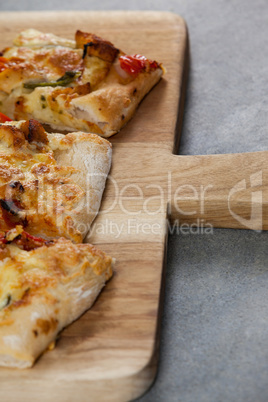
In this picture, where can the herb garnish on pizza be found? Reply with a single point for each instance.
(84, 84)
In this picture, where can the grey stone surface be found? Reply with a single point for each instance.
(214, 338)
(214, 344)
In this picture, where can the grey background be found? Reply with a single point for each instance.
(214, 337)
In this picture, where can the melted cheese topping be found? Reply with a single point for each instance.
(39, 56)
(34, 191)
(36, 57)
(49, 272)
(96, 93)
(34, 38)
(25, 64)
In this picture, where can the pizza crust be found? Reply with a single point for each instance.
(92, 156)
(84, 157)
(28, 326)
(112, 105)
(101, 100)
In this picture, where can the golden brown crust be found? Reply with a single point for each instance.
(114, 104)
(101, 99)
(96, 46)
(50, 183)
(92, 156)
(51, 286)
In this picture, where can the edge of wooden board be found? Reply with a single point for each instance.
(136, 383)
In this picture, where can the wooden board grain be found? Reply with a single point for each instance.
(110, 353)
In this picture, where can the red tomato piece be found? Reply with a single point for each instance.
(136, 63)
(34, 238)
(4, 118)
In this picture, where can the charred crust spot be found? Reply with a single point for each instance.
(12, 213)
(123, 117)
(34, 131)
(85, 49)
(35, 332)
(134, 91)
(16, 185)
(96, 46)
(9, 206)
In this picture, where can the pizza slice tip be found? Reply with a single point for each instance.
(44, 286)
(82, 85)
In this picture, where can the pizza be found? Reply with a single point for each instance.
(52, 178)
(50, 191)
(85, 84)
(44, 286)
(51, 184)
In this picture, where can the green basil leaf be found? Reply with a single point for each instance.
(66, 79)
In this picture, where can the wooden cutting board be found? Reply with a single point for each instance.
(110, 353)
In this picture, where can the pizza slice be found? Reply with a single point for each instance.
(44, 286)
(51, 184)
(86, 84)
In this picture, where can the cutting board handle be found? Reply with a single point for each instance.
(227, 191)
